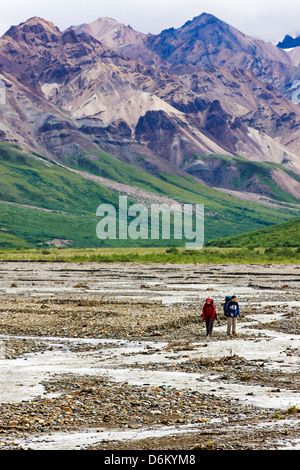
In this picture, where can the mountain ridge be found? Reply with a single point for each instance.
(95, 54)
(289, 42)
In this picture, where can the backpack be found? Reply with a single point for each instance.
(227, 299)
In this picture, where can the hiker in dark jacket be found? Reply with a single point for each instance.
(232, 312)
(209, 316)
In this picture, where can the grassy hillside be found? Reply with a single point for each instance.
(286, 234)
(41, 201)
(224, 214)
(185, 189)
(36, 181)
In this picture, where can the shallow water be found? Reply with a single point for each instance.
(23, 380)
(81, 439)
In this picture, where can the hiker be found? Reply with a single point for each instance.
(232, 312)
(209, 315)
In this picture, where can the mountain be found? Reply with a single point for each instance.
(122, 38)
(201, 109)
(291, 88)
(207, 57)
(289, 42)
(203, 43)
(67, 92)
(101, 97)
(206, 41)
(247, 179)
(111, 33)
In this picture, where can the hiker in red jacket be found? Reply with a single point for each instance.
(209, 315)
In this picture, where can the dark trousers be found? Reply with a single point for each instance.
(209, 326)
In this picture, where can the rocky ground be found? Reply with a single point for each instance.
(73, 330)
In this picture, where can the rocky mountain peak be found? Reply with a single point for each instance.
(206, 41)
(36, 51)
(110, 32)
(204, 19)
(36, 23)
(33, 29)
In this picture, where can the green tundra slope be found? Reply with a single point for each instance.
(41, 201)
(280, 235)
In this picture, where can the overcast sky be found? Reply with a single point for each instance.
(264, 19)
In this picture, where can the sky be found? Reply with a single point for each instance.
(269, 20)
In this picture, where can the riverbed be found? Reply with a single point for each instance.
(115, 356)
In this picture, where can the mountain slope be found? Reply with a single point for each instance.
(280, 235)
(113, 90)
(121, 38)
(96, 88)
(66, 78)
(239, 174)
(42, 202)
(29, 179)
(207, 41)
(242, 74)
(289, 42)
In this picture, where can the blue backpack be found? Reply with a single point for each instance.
(227, 299)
